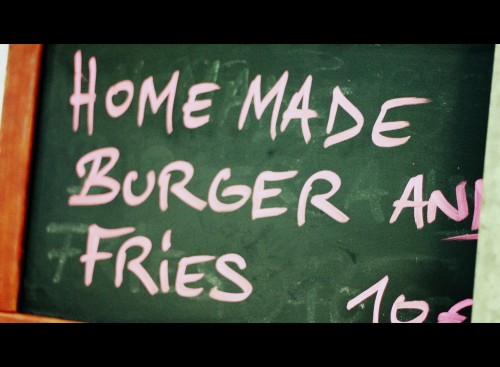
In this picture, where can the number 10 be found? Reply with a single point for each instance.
(400, 303)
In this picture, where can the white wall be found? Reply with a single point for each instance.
(4, 50)
(487, 281)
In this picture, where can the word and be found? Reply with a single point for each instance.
(437, 200)
(183, 278)
(98, 177)
(254, 96)
(452, 316)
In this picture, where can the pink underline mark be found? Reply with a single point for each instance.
(464, 237)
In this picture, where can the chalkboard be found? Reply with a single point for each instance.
(257, 183)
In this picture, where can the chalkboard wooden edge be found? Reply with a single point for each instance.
(15, 317)
(16, 139)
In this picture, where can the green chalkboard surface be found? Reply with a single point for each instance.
(257, 183)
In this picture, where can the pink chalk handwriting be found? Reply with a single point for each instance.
(401, 304)
(436, 201)
(452, 316)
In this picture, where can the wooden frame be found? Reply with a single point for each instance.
(16, 140)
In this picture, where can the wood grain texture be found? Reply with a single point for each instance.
(16, 137)
(6, 317)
